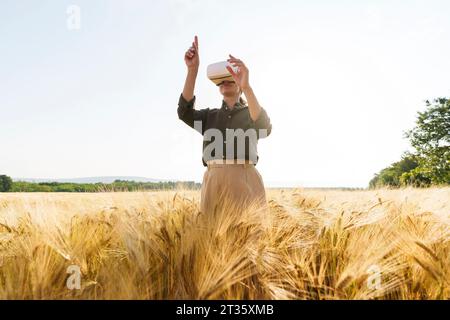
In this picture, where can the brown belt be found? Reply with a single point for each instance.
(222, 162)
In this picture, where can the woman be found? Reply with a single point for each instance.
(231, 177)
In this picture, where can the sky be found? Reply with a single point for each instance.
(340, 80)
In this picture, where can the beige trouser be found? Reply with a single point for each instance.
(239, 185)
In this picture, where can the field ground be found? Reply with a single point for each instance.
(313, 244)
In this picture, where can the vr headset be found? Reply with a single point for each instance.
(217, 72)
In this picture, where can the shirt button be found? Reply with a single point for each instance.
(229, 117)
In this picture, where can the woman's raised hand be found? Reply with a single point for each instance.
(241, 77)
(191, 57)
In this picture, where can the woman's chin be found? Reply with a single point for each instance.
(228, 93)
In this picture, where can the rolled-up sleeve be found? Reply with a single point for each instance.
(263, 122)
(189, 115)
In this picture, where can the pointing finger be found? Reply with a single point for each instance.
(231, 71)
(196, 42)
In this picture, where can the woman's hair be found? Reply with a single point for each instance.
(241, 100)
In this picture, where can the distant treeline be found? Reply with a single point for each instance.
(7, 185)
(429, 164)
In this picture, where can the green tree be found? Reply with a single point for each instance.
(5, 183)
(392, 175)
(415, 178)
(431, 140)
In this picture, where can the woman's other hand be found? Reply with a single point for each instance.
(241, 76)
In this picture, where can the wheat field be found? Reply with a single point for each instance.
(311, 244)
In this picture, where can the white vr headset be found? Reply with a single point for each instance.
(217, 72)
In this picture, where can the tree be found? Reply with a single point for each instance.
(430, 164)
(415, 178)
(392, 175)
(431, 140)
(5, 183)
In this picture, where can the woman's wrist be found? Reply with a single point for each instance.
(192, 74)
(193, 69)
(246, 89)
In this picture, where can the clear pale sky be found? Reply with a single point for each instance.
(340, 80)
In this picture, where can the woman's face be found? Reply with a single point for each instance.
(228, 88)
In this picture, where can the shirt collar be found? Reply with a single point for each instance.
(237, 105)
